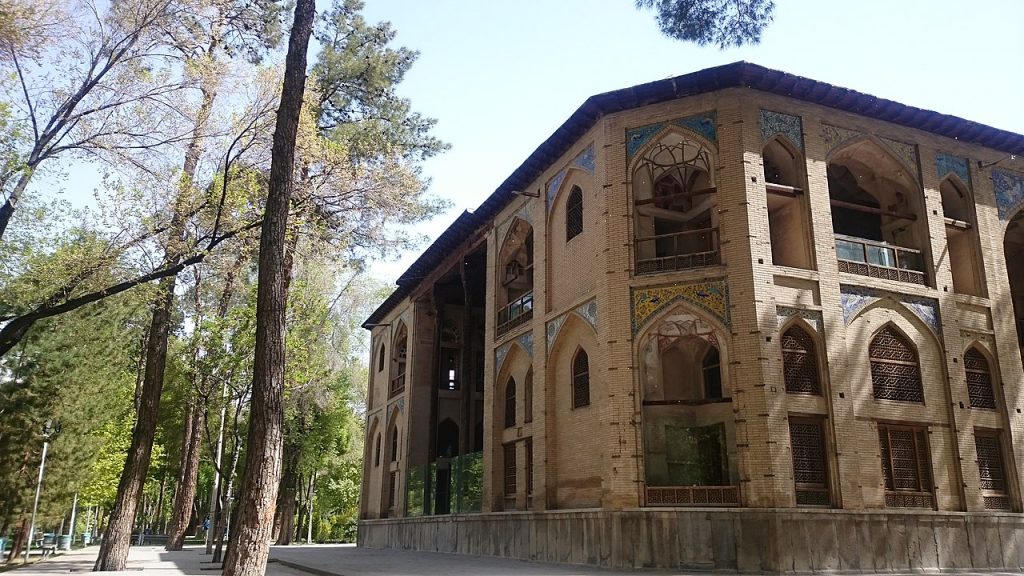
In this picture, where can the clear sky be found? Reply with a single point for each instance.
(500, 77)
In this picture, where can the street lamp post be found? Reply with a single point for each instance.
(39, 486)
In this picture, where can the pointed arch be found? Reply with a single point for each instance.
(399, 360)
(672, 182)
(801, 362)
(789, 225)
(580, 378)
(979, 375)
(878, 213)
(447, 439)
(895, 366)
(515, 276)
(574, 213)
(962, 242)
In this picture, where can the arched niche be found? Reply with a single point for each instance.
(962, 243)
(675, 205)
(788, 214)
(1013, 248)
(688, 424)
(878, 214)
(399, 360)
(514, 296)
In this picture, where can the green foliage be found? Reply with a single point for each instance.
(722, 22)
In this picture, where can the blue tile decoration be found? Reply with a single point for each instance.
(637, 137)
(711, 296)
(500, 354)
(586, 160)
(856, 298)
(772, 123)
(588, 312)
(701, 124)
(526, 341)
(907, 153)
(834, 136)
(812, 317)
(1009, 189)
(553, 328)
(401, 403)
(946, 163)
(553, 185)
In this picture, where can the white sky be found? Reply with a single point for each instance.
(500, 77)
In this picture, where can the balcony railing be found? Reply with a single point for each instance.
(677, 251)
(879, 260)
(397, 385)
(516, 313)
(693, 496)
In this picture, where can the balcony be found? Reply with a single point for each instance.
(677, 251)
(879, 260)
(397, 385)
(516, 313)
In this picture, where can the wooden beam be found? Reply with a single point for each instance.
(782, 190)
(870, 210)
(668, 197)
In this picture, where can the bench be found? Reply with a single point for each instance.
(46, 546)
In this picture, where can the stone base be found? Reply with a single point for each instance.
(743, 540)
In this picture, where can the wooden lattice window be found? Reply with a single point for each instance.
(800, 362)
(376, 451)
(991, 470)
(906, 470)
(580, 379)
(392, 488)
(380, 359)
(810, 471)
(510, 403)
(528, 398)
(895, 372)
(574, 214)
(510, 469)
(394, 444)
(979, 380)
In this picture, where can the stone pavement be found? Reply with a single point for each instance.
(323, 560)
(153, 560)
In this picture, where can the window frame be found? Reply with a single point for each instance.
(574, 213)
(510, 403)
(809, 355)
(882, 392)
(580, 379)
(895, 497)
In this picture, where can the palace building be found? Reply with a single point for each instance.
(731, 320)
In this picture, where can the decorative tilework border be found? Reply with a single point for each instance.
(585, 160)
(710, 296)
(907, 153)
(856, 298)
(1009, 189)
(812, 317)
(700, 124)
(587, 311)
(946, 163)
(772, 123)
(525, 340)
(834, 136)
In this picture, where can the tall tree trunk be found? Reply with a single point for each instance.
(248, 555)
(158, 527)
(113, 553)
(286, 501)
(19, 540)
(186, 494)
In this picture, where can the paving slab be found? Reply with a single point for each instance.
(191, 561)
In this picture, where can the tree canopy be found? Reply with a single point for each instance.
(723, 23)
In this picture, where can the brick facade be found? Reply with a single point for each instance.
(688, 401)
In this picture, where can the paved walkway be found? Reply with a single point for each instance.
(347, 560)
(152, 560)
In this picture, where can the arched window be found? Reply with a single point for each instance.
(895, 372)
(574, 214)
(528, 398)
(515, 274)
(712, 368)
(510, 403)
(394, 444)
(799, 362)
(448, 439)
(979, 380)
(380, 358)
(376, 451)
(580, 379)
